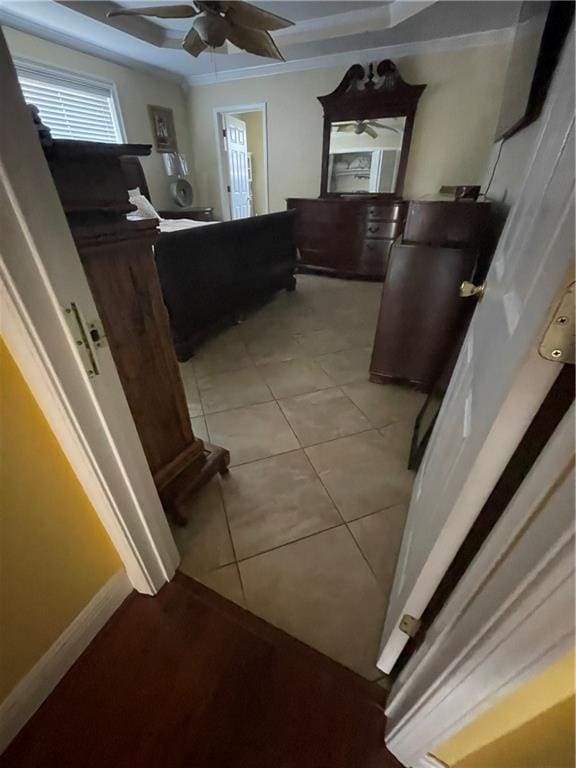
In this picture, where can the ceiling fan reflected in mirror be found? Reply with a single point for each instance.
(243, 24)
(363, 126)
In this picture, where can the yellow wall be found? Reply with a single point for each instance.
(453, 132)
(136, 90)
(54, 553)
(533, 727)
(546, 741)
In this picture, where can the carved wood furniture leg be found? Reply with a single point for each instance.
(216, 461)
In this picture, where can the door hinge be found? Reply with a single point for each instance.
(557, 344)
(228, 188)
(409, 625)
(89, 337)
(224, 132)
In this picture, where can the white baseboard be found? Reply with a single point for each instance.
(21, 703)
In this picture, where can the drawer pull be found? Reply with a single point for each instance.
(373, 229)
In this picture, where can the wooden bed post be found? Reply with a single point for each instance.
(117, 255)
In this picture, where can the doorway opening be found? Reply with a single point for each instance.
(242, 147)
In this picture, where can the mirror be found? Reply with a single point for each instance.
(364, 155)
(368, 123)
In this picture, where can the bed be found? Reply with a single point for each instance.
(213, 273)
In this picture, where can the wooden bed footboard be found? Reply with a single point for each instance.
(212, 275)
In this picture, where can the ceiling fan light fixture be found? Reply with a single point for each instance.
(244, 25)
(212, 29)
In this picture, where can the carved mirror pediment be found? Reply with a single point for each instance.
(368, 123)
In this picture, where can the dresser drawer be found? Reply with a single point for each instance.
(374, 257)
(379, 229)
(347, 236)
(386, 212)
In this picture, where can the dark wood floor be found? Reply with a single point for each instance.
(189, 679)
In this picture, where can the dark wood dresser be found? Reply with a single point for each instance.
(347, 237)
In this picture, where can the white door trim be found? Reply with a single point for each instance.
(510, 616)
(117, 481)
(220, 151)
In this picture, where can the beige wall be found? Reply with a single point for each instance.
(255, 132)
(136, 90)
(452, 139)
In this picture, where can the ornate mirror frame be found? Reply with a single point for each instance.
(359, 97)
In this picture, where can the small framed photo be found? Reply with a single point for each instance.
(162, 120)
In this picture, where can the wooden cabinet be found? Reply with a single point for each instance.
(117, 256)
(420, 313)
(422, 316)
(347, 237)
(454, 224)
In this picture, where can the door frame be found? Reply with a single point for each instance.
(120, 488)
(218, 113)
(510, 616)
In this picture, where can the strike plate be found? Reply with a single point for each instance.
(409, 625)
(558, 341)
(88, 337)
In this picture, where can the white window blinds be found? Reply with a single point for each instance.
(71, 106)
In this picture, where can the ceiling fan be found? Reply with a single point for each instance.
(244, 25)
(365, 126)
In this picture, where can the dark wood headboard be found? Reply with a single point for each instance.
(134, 175)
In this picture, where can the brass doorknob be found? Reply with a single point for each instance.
(468, 289)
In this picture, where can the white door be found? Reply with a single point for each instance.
(238, 172)
(500, 380)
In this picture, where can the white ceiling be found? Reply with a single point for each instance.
(322, 31)
(295, 10)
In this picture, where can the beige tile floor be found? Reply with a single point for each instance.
(305, 529)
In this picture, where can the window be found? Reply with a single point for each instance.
(73, 107)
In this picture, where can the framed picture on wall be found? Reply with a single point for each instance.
(163, 131)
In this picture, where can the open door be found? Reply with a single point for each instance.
(500, 380)
(238, 173)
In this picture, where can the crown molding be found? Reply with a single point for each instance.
(51, 35)
(347, 58)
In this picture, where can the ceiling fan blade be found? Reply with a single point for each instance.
(248, 15)
(193, 43)
(370, 131)
(384, 127)
(161, 11)
(254, 41)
